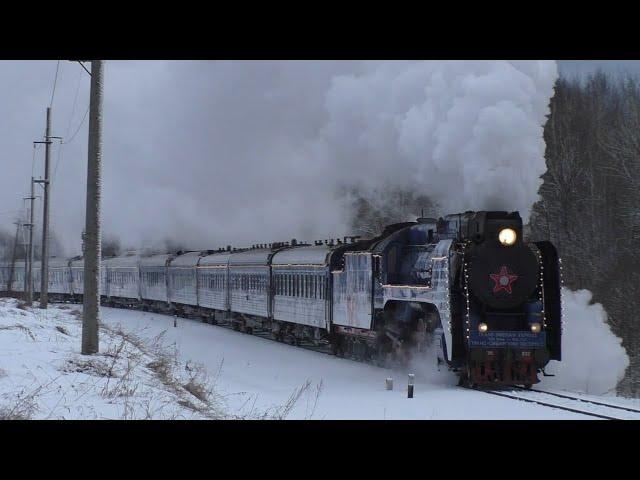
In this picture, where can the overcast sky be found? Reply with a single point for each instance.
(189, 147)
(584, 67)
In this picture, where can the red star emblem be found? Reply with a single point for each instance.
(503, 280)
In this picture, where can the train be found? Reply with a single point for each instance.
(468, 284)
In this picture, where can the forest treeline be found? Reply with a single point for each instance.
(590, 200)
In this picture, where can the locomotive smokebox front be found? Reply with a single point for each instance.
(502, 269)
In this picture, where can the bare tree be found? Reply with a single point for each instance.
(590, 197)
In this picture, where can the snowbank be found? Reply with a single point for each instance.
(257, 374)
(593, 359)
(43, 376)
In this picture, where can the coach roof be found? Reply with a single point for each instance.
(221, 258)
(125, 262)
(189, 259)
(258, 256)
(312, 255)
(158, 260)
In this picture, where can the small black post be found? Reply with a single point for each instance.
(410, 386)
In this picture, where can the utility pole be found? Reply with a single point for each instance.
(26, 260)
(28, 271)
(44, 278)
(92, 236)
(13, 258)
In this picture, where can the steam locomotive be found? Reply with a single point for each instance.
(468, 283)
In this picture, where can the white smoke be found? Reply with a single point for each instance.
(468, 134)
(593, 359)
(212, 153)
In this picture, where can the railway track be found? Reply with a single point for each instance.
(583, 400)
(576, 406)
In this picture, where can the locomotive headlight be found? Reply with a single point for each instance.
(535, 327)
(507, 236)
(483, 327)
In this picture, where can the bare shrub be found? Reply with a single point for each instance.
(7, 413)
(94, 366)
(281, 412)
(62, 330)
(25, 405)
(23, 306)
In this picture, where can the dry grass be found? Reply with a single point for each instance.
(194, 392)
(117, 377)
(25, 404)
(19, 327)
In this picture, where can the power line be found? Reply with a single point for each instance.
(75, 101)
(33, 161)
(85, 68)
(73, 109)
(55, 81)
(79, 126)
(55, 169)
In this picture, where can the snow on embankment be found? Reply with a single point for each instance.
(43, 375)
(593, 359)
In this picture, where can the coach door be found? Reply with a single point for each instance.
(353, 300)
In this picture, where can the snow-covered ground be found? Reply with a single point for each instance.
(43, 376)
(249, 377)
